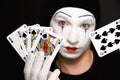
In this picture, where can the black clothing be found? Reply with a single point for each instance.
(102, 69)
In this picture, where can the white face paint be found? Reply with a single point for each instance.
(74, 24)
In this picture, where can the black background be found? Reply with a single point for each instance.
(16, 13)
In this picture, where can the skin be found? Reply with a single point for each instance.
(75, 56)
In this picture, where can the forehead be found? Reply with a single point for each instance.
(73, 12)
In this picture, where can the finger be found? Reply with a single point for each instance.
(55, 75)
(37, 64)
(28, 65)
(45, 69)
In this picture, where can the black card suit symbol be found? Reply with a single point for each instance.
(44, 35)
(10, 40)
(105, 33)
(117, 41)
(98, 36)
(33, 32)
(104, 40)
(118, 27)
(24, 35)
(103, 47)
(117, 34)
(112, 30)
(110, 44)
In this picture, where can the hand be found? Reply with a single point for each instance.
(36, 68)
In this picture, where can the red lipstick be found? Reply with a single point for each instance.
(71, 49)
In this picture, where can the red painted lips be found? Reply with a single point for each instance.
(71, 49)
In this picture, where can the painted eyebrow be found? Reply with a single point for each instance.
(63, 13)
(85, 16)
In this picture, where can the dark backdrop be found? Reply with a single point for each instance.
(16, 13)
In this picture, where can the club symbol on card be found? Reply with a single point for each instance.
(117, 34)
(103, 47)
(98, 36)
(104, 40)
(105, 33)
(110, 44)
(117, 41)
(111, 30)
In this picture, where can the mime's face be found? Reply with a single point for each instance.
(74, 24)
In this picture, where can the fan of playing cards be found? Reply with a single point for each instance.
(107, 38)
(34, 38)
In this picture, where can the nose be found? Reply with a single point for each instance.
(72, 37)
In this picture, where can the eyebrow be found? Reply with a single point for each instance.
(63, 13)
(71, 16)
(85, 16)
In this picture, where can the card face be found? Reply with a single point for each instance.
(46, 28)
(34, 31)
(107, 38)
(48, 42)
(14, 41)
(23, 37)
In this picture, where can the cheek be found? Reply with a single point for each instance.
(56, 29)
(66, 32)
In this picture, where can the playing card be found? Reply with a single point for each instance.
(34, 31)
(23, 37)
(107, 38)
(48, 42)
(14, 41)
(46, 28)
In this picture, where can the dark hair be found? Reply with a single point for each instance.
(44, 9)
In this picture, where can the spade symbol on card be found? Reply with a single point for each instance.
(44, 35)
(24, 35)
(98, 36)
(110, 44)
(33, 32)
(103, 48)
(104, 40)
(104, 33)
(118, 27)
(117, 34)
(117, 41)
(112, 30)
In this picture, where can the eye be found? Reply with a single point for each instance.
(85, 26)
(61, 23)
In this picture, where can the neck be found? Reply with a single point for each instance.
(76, 66)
